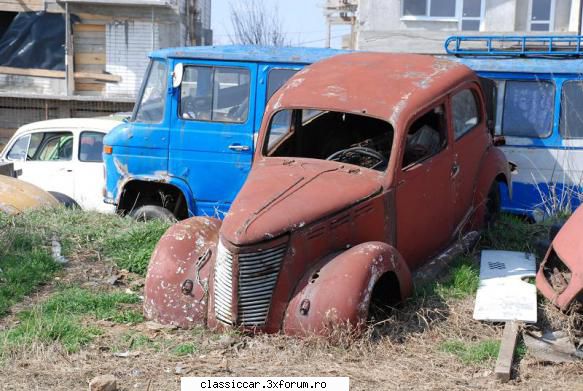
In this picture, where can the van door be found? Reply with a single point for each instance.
(211, 141)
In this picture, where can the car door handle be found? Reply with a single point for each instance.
(455, 170)
(66, 170)
(238, 147)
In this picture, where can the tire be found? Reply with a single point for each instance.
(65, 200)
(493, 206)
(152, 212)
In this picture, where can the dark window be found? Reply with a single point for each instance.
(442, 8)
(572, 110)
(91, 147)
(55, 146)
(465, 112)
(277, 78)
(19, 149)
(426, 137)
(215, 94)
(528, 109)
(415, 7)
(153, 95)
(541, 10)
(472, 8)
(470, 25)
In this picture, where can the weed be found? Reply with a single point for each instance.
(513, 233)
(463, 280)
(185, 349)
(472, 353)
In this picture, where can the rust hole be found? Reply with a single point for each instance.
(315, 277)
(557, 273)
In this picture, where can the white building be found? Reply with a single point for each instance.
(423, 25)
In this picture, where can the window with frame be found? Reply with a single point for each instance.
(426, 137)
(429, 8)
(541, 15)
(215, 94)
(19, 149)
(571, 125)
(91, 146)
(54, 146)
(465, 112)
(277, 78)
(153, 95)
(528, 108)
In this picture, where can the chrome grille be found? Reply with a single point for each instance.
(258, 272)
(223, 284)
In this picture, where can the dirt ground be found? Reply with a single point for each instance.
(403, 352)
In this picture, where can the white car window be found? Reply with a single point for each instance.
(54, 146)
(18, 150)
(91, 147)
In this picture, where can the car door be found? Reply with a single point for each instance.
(424, 185)
(211, 142)
(88, 171)
(47, 162)
(471, 137)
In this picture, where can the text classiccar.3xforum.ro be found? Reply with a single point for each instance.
(268, 384)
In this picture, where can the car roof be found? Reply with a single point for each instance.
(104, 125)
(384, 85)
(299, 55)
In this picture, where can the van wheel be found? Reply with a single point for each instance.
(493, 206)
(153, 212)
(65, 200)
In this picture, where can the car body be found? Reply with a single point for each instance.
(63, 157)
(367, 165)
(537, 99)
(188, 146)
(17, 196)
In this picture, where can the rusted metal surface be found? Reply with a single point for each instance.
(176, 288)
(17, 196)
(560, 277)
(309, 242)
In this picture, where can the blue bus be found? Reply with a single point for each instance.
(536, 96)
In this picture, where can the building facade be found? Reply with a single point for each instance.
(422, 25)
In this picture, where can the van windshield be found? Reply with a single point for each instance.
(330, 135)
(150, 106)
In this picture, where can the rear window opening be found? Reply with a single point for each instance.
(556, 273)
(330, 135)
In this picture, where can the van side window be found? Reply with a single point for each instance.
(572, 110)
(426, 137)
(215, 94)
(528, 109)
(465, 112)
(277, 78)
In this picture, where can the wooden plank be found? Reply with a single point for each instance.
(89, 87)
(90, 58)
(506, 354)
(96, 76)
(32, 72)
(83, 28)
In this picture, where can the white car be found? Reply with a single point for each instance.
(64, 157)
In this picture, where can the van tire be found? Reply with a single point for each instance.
(152, 212)
(493, 206)
(65, 200)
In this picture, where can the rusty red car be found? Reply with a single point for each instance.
(366, 166)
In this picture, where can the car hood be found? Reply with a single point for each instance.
(281, 195)
(17, 196)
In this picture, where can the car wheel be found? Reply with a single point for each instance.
(65, 200)
(493, 206)
(152, 212)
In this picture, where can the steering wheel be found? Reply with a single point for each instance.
(197, 107)
(348, 155)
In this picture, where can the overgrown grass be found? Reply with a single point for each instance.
(472, 353)
(513, 233)
(463, 280)
(61, 319)
(185, 349)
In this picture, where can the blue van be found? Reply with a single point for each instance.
(188, 146)
(537, 105)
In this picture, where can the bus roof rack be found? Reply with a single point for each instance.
(515, 46)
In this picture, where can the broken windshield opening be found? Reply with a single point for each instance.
(330, 135)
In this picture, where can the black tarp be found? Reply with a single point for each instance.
(34, 40)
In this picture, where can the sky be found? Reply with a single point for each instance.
(303, 20)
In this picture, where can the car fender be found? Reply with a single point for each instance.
(338, 289)
(176, 287)
(179, 183)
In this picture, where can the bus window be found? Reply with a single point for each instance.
(571, 110)
(528, 109)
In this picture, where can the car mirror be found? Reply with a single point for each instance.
(177, 75)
